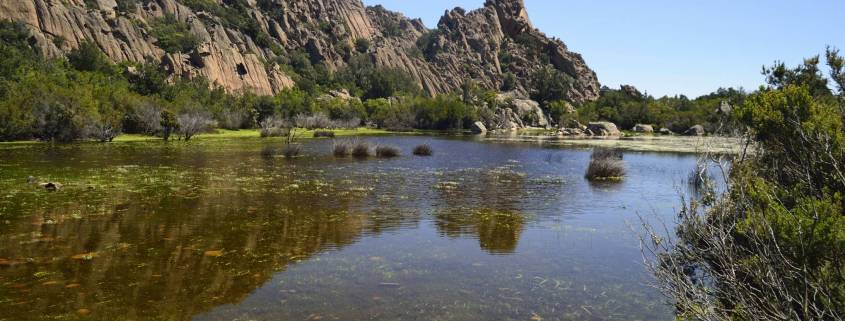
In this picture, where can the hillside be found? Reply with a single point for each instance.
(251, 44)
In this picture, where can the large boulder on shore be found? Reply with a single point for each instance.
(478, 128)
(603, 128)
(696, 130)
(529, 111)
(505, 119)
(642, 128)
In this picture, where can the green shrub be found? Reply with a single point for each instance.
(773, 245)
(174, 35)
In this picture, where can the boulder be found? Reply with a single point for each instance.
(642, 128)
(696, 130)
(51, 186)
(571, 132)
(603, 128)
(666, 131)
(528, 111)
(478, 128)
(506, 119)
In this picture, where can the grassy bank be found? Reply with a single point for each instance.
(244, 133)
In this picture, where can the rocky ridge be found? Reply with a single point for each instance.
(487, 45)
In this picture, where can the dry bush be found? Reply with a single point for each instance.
(342, 149)
(361, 149)
(387, 151)
(323, 134)
(315, 121)
(423, 150)
(191, 124)
(275, 127)
(605, 164)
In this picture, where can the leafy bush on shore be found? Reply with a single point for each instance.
(772, 246)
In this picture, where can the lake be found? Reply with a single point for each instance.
(227, 230)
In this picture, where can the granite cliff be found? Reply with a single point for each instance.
(496, 45)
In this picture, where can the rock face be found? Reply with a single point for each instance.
(489, 45)
(527, 111)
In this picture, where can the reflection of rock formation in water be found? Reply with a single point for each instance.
(192, 230)
(484, 202)
(498, 232)
(158, 256)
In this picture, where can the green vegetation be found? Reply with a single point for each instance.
(174, 35)
(772, 246)
(87, 97)
(676, 113)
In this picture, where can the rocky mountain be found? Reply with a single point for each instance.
(243, 44)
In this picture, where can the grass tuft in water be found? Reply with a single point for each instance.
(387, 151)
(342, 149)
(605, 165)
(423, 150)
(361, 149)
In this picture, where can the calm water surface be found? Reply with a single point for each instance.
(225, 230)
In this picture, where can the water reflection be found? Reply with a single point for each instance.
(151, 232)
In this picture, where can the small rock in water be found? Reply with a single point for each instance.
(389, 285)
(51, 186)
(32, 180)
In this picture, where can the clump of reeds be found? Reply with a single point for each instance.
(342, 149)
(604, 153)
(324, 134)
(291, 150)
(387, 151)
(361, 149)
(275, 127)
(605, 165)
(423, 150)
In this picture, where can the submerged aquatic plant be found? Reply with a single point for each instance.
(291, 150)
(423, 150)
(387, 151)
(605, 165)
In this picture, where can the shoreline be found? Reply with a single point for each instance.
(636, 143)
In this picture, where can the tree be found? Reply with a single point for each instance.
(169, 124)
(550, 84)
(807, 74)
(89, 57)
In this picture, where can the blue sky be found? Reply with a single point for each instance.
(668, 47)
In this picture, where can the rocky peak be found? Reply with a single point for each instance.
(512, 15)
(487, 45)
